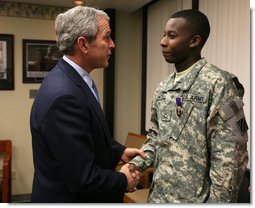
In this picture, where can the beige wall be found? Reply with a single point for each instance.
(228, 45)
(15, 105)
(128, 74)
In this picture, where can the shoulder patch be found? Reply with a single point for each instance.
(231, 108)
(232, 113)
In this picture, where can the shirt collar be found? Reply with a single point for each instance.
(82, 72)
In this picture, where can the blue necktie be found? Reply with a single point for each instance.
(95, 91)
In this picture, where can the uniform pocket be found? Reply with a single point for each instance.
(171, 125)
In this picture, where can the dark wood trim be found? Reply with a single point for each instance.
(109, 76)
(195, 4)
(144, 68)
(21, 198)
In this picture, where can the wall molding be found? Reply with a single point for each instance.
(32, 11)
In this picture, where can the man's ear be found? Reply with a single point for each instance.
(82, 43)
(195, 41)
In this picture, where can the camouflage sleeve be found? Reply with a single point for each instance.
(227, 142)
(149, 145)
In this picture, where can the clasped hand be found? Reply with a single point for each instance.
(133, 176)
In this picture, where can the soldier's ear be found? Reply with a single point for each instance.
(195, 41)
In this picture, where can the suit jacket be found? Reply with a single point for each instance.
(74, 154)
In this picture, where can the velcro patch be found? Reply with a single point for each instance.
(231, 108)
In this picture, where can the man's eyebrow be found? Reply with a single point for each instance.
(171, 31)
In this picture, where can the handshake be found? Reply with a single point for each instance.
(132, 174)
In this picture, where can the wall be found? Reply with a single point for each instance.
(128, 72)
(15, 105)
(228, 45)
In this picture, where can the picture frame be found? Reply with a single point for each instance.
(39, 57)
(6, 62)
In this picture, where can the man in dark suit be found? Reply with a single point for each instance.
(73, 151)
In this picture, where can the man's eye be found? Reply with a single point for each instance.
(107, 37)
(172, 36)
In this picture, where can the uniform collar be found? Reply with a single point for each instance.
(185, 82)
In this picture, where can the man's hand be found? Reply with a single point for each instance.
(130, 153)
(131, 179)
(132, 169)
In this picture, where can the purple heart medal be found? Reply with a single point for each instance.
(178, 101)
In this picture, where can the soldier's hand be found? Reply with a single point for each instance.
(131, 179)
(133, 169)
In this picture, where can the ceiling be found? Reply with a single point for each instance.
(120, 5)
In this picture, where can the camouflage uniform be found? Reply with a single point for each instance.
(200, 155)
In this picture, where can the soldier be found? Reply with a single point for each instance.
(197, 143)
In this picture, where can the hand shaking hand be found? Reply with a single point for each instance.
(130, 153)
(133, 176)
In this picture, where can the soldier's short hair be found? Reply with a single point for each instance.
(199, 24)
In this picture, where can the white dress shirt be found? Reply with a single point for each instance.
(82, 72)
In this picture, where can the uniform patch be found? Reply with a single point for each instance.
(194, 98)
(234, 107)
(231, 108)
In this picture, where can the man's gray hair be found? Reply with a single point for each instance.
(76, 22)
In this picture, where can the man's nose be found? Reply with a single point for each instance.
(111, 44)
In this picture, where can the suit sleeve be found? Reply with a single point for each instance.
(118, 150)
(67, 127)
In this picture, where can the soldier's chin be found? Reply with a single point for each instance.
(168, 60)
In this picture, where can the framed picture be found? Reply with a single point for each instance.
(6, 62)
(39, 57)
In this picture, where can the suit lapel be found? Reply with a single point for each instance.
(77, 79)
